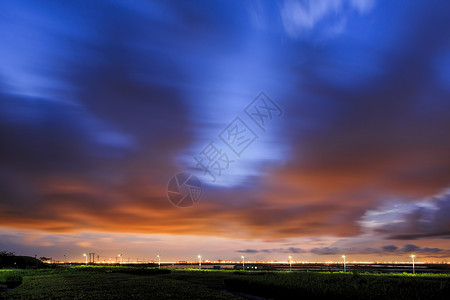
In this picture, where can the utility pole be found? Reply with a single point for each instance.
(343, 256)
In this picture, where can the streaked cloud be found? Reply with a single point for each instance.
(421, 220)
(329, 251)
(299, 17)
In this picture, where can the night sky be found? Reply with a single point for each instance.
(103, 102)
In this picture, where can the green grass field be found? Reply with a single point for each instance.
(143, 283)
(107, 284)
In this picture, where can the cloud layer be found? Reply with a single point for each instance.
(387, 249)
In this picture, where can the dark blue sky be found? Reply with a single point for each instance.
(102, 102)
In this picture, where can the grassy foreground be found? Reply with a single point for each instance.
(341, 286)
(107, 284)
(142, 283)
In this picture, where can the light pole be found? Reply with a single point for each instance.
(243, 262)
(200, 261)
(120, 255)
(412, 256)
(159, 261)
(64, 259)
(290, 263)
(85, 255)
(343, 256)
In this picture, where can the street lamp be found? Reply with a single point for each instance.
(290, 263)
(243, 262)
(120, 255)
(159, 261)
(412, 256)
(85, 255)
(64, 259)
(200, 261)
(343, 256)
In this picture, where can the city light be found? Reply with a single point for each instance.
(101, 259)
(290, 263)
(345, 270)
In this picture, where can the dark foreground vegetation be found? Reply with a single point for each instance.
(150, 283)
(9, 260)
(341, 286)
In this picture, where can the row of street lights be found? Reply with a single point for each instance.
(199, 261)
(412, 256)
(119, 255)
(243, 261)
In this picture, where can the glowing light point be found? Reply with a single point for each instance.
(345, 269)
(290, 263)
